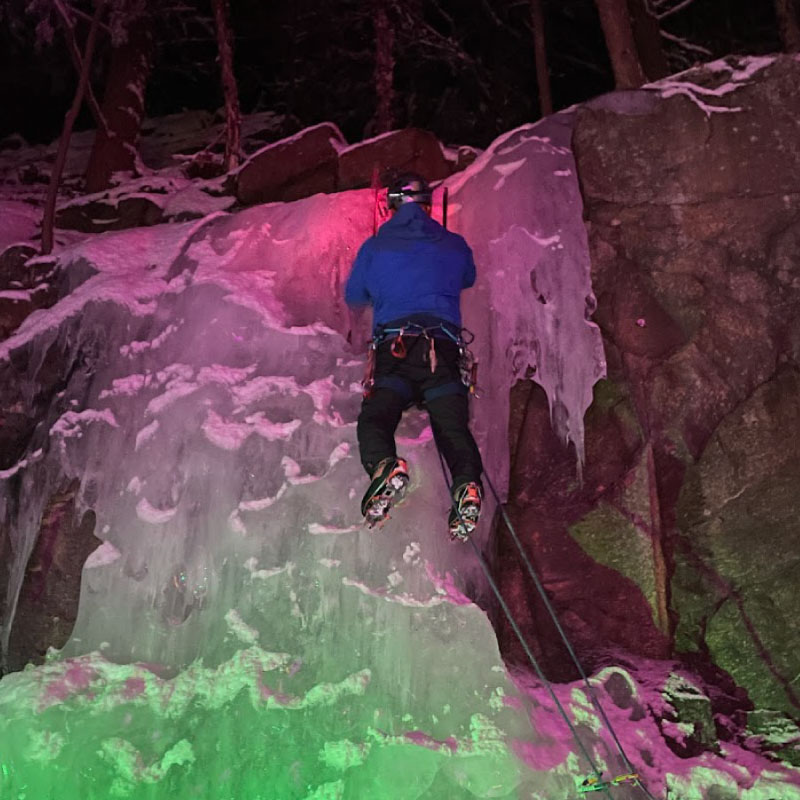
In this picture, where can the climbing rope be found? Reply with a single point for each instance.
(515, 626)
(594, 783)
(565, 639)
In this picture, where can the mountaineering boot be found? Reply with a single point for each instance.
(389, 482)
(465, 511)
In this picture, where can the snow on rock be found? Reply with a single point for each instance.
(194, 202)
(144, 201)
(728, 75)
(407, 149)
(179, 137)
(292, 168)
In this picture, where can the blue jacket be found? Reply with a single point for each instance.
(413, 267)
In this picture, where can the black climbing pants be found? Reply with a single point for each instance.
(403, 382)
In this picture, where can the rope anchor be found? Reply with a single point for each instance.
(595, 784)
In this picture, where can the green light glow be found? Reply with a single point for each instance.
(90, 729)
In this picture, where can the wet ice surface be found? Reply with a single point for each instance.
(240, 634)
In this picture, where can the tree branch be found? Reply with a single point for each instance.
(685, 44)
(674, 10)
(444, 15)
(89, 18)
(77, 61)
(48, 219)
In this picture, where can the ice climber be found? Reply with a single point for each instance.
(412, 273)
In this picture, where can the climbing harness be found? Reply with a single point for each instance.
(432, 354)
(467, 363)
(595, 782)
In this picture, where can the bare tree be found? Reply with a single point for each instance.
(540, 54)
(48, 220)
(618, 31)
(233, 113)
(114, 148)
(68, 24)
(788, 16)
(682, 53)
(384, 119)
(647, 35)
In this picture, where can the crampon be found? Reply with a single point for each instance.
(389, 483)
(465, 511)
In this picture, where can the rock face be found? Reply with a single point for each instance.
(692, 194)
(23, 289)
(409, 149)
(48, 599)
(318, 159)
(185, 179)
(98, 214)
(272, 173)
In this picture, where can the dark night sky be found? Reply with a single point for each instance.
(313, 60)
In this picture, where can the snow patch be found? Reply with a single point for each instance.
(70, 424)
(103, 556)
(316, 529)
(146, 433)
(505, 170)
(153, 515)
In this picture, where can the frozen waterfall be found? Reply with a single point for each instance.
(240, 634)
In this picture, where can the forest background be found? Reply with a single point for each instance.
(467, 70)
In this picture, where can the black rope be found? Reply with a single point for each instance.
(518, 632)
(564, 638)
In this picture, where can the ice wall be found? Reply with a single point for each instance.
(238, 628)
(520, 208)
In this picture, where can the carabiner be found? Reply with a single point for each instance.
(399, 346)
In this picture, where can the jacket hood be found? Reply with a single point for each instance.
(410, 221)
